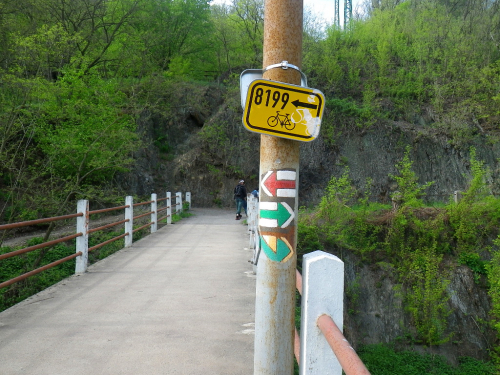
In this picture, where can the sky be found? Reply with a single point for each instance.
(323, 8)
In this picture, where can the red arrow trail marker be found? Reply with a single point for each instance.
(280, 183)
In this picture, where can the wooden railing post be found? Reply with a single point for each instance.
(322, 293)
(154, 213)
(169, 207)
(82, 242)
(129, 225)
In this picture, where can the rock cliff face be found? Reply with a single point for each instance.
(206, 150)
(374, 312)
(209, 151)
(374, 153)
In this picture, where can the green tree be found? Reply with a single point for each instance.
(173, 29)
(250, 21)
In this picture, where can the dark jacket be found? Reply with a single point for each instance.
(240, 191)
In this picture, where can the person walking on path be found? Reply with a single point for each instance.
(240, 196)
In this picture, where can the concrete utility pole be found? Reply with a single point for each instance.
(279, 175)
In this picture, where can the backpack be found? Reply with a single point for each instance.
(238, 191)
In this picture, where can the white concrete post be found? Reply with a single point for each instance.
(154, 213)
(253, 226)
(322, 293)
(129, 225)
(82, 242)
(252, 209)
(169, 207)
(178, 202)
(188, 199)
(456, 196)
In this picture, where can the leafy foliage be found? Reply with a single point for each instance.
(405, 62)
(415, 239)
(493, 270)
(64, 139)
(383, 360)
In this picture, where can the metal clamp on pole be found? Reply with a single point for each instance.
(285, 65)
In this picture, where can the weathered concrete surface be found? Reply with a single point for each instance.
(180, 301)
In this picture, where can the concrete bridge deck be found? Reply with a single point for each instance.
(179, 301)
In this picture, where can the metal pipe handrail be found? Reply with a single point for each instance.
(82, 248)
(298, 281)
(347, 357)
(38, 270)
(38, 221)
(144, 226)
(296, 341)
(162, 218)
(39, 246)
(108, 210)
(107, 226)
(146, 214)
(296, 345)
(140, 204)
(107, 242)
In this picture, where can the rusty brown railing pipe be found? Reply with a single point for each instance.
(39, 246)
(347, 357)
(107, 226)
(296, 346)
(146, 214)
(296, 341)
(144, 226)
(107, 210)
(37, 221)
(298, 281)
(38, 270)
(107, 242)
(142, 203)
(162, 218)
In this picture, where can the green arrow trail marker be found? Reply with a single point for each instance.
(275, 214)
(279, 253)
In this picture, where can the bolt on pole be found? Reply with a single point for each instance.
(279, 175)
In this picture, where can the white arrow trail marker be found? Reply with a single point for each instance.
(275, 214)
(280, 183)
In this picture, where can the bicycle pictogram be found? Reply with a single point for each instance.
(283, 120)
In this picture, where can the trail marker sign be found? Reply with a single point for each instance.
(283, 110)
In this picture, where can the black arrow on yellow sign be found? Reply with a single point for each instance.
(298, 103)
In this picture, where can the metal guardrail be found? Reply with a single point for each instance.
(321, 348)
(83, 231)
(38, 221)
(344, 353)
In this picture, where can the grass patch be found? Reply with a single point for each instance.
(382, 359)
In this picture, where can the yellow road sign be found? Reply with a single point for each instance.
(283, 110)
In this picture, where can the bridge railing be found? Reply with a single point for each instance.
(321, 348)
(82, 229)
